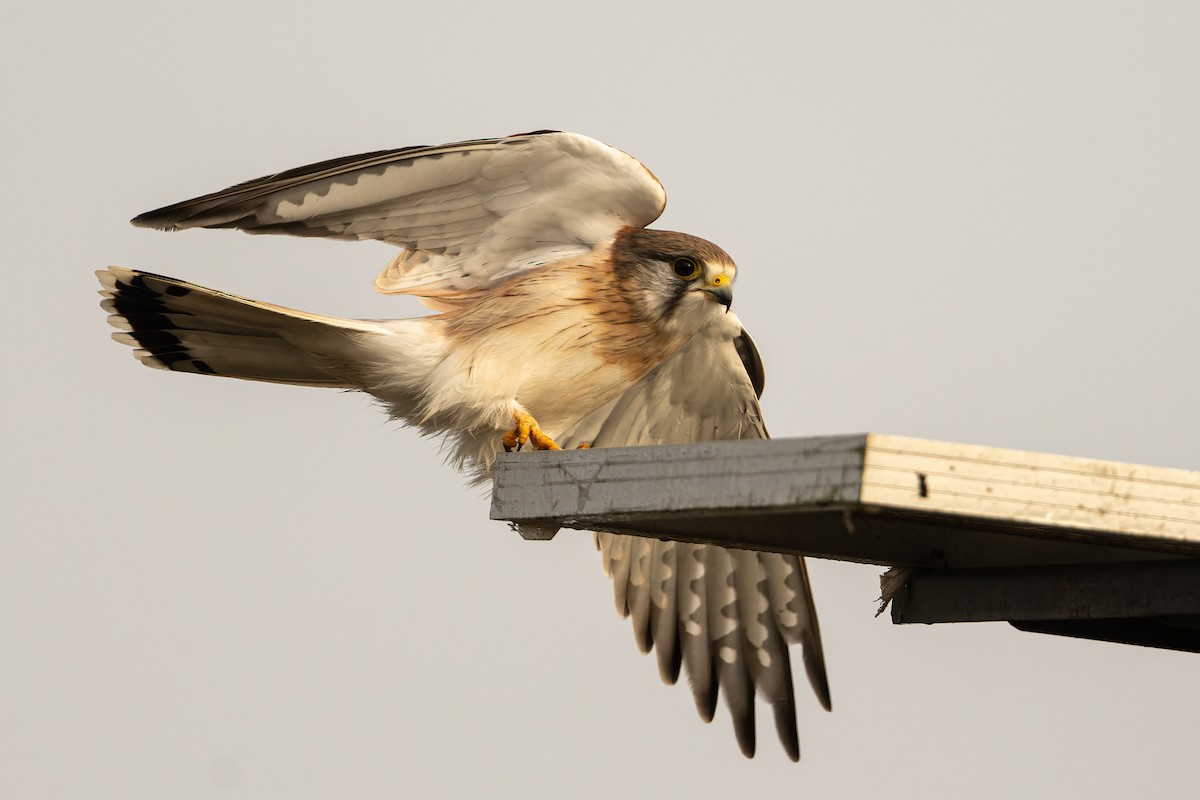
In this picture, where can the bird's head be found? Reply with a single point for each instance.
(680, 280)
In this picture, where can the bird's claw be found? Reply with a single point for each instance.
(527, 430)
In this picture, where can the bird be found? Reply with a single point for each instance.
(558, 320)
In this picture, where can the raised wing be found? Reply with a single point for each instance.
(725, 615)
(468, 214)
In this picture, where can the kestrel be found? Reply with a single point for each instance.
(561, 321)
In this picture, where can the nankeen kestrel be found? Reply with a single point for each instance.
(561, 321)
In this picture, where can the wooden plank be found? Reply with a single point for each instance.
(864, 497)
(708, 476)
(1046, 490)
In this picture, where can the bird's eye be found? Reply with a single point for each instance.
(685, 267)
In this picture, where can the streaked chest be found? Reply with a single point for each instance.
(560, 336)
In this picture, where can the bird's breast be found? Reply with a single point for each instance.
(559, 342)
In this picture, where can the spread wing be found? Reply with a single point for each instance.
(726, 616)
(468, 214)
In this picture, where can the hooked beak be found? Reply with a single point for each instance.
(720, 288)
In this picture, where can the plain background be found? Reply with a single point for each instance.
(963, 221)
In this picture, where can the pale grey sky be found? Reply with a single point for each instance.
(964, 221)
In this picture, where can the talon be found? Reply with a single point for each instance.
(584, 446)
(527, 430)
(514, 439)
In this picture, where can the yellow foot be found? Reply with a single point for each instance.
(584, 446)
(527, 430)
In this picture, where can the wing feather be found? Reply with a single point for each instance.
(641, 552)
(664, 618)
(727, 641)
(695, 642)
(622, 545)
(479, 210)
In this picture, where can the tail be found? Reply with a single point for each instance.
(182, 327)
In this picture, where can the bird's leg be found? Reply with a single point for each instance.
(527, 430)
